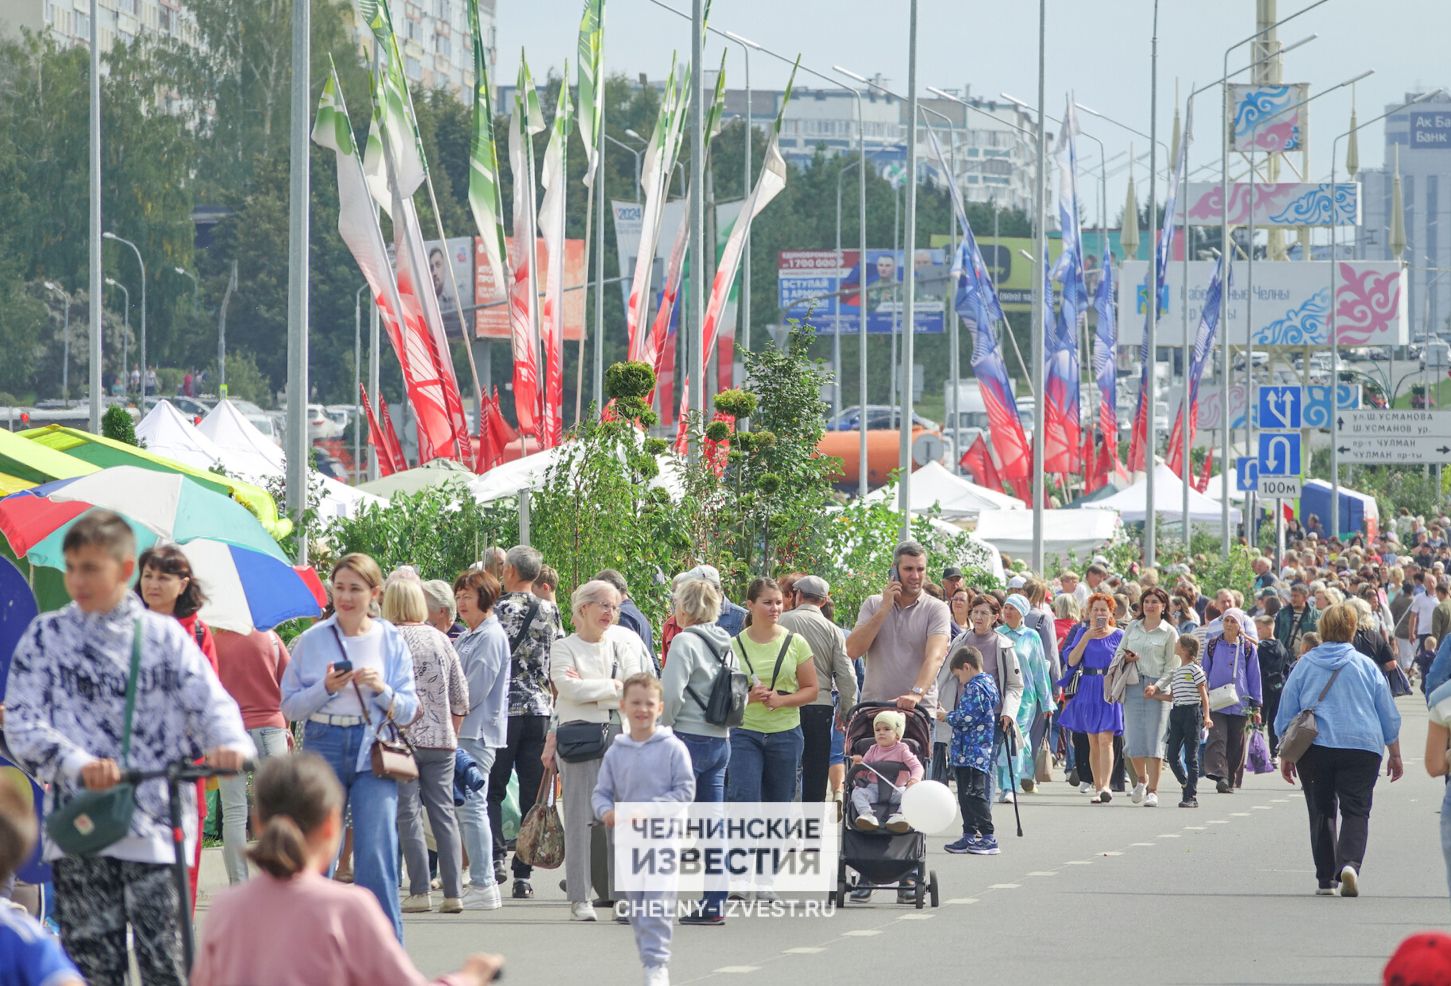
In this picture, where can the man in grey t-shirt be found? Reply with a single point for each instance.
(903, 635)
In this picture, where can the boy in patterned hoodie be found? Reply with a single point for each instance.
(971, 752)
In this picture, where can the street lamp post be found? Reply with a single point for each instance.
(125, 334)
(358, 375)
(145, 367)
(836, 329)
(746, 190)
(65, 343)
(626, 147)
(1334, 337)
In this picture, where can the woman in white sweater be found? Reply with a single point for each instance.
(588, 669)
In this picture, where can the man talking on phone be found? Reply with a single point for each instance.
(902, 633)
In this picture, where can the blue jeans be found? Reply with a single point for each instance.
(374, 804)
(709, 756)
(1446, 832)
(763, 765)
(473, 818)
(271, 741)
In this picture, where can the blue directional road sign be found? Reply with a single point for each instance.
(1280, 408)
(1246, 474)
(1279, 454)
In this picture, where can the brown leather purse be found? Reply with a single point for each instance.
(392, 754)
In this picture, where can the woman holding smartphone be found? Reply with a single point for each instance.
(348, 674)
(1090, 651)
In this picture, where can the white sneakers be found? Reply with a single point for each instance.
(1349, 882)
(1137, 797)
(1085, 787)
(897, 824)
(582, 911)
(1151, 800)
(482, 898)
(1005, 797)
(657, 975)
(417, 903)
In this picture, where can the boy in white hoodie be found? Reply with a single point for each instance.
(646, 764)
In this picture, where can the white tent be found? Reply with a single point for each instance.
(171, 435)
(989, 556)
(244, 451)
(1080, 531)
(934, 485)
(1132, 503)
(1235, 494)
(531, 471)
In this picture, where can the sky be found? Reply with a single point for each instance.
(1100, 51)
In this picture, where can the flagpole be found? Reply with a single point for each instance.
(96, 272)
(599, 204)
(299, 214)
(1184, 470)
(589, 215)
(909, 278)
(697, 207)
(1040, 193)
(1151, 439)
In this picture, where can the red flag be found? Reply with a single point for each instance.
(1203, 483)
(390, 436)
(725, 364)
(485, 455)
(978, 460)
(386, 465)
(682, 437)
(501, 435)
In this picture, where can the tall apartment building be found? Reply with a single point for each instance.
(120, 20)
(434, 40)
(1422, 136)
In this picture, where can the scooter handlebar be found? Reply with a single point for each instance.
(183, 770)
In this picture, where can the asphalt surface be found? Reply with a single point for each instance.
(1113, 893)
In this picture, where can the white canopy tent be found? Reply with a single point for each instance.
(531, 472)
(1132, 503)
(170, 434)
(934, 485)
(1079, 531)
(244, 451)
(994, 557)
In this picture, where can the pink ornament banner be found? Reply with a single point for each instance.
(1278, 204)
(1291, 304)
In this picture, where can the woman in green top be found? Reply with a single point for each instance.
(766, 747)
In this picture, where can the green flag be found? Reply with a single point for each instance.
(591, 83)
(485, 199)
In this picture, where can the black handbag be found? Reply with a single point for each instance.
(580, 741)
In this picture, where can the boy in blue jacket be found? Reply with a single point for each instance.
(646, 764)
(971, 752)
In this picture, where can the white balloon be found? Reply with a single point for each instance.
(929, 807)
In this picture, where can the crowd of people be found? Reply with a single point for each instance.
(1105, 679)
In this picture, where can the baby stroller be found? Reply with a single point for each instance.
(883, 858)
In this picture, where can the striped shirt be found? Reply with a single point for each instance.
(1183, 683)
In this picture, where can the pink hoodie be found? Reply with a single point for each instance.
(898, 752)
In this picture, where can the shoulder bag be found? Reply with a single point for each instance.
(1302, 730)
(392, 754)
(90, 821)
(541, 833)
(579, 740)
(1226, 694)
(1075, 676)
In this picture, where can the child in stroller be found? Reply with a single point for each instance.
(878, 796)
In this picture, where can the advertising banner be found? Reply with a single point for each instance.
(1278, 204)
(814, 284)
(492, 321)
(1291, 302)
(1315, 403)
(1267, 116)
(1430, 130)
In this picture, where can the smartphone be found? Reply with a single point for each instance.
(893, 575)
(340, 667)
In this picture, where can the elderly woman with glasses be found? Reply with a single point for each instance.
(588, 670)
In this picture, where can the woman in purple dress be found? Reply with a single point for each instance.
(1088, 710)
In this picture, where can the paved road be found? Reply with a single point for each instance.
(1091, 894)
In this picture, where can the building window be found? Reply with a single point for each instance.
(414, 69)
(442, 44)
(48, 15)
(82, 25)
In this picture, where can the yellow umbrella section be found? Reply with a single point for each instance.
(88, 452)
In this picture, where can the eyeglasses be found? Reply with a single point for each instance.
(607, 607)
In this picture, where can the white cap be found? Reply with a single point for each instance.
(1017, 582)
(709, 573)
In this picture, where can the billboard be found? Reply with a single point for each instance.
(1430, 130)
(1291, 302)
(1267, 116)
(457, 253)
(491, 319)
(827, 288)
(1279, 204)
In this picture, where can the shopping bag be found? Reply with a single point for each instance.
(541, 834)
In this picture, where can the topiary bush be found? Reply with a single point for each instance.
(116, 424)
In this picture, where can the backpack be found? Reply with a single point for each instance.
(725, 705)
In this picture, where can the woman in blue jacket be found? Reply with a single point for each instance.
(1355, 719)
(343, 704)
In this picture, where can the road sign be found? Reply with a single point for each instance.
(1395, 437)
(1279, 455)
(1279, 487)
(1280, 408)
(1246, 474)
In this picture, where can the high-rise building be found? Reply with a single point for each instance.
(434, 40)
(120, 20)
(1421, 135)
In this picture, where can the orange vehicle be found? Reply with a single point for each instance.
(884, 442)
